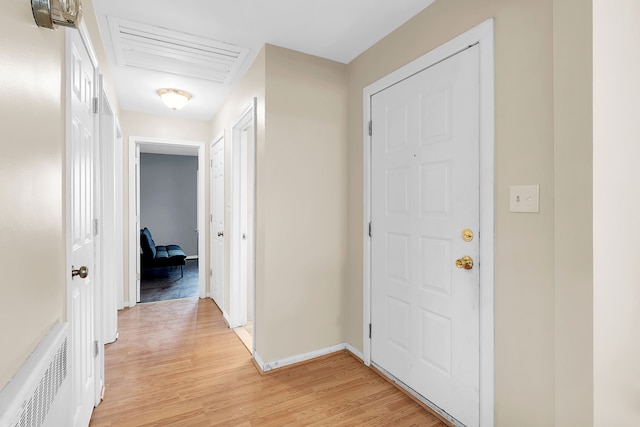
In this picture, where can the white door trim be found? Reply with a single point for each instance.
(134, 233)
(221, 304)
(237, 294)
(120, 216)
(111, 209)
(482, 34)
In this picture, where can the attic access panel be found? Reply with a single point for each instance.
(160, 49)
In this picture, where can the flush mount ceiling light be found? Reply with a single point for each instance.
(174, 98)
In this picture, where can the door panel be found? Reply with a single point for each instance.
(425, 192)
(81, 194)
(217, 223)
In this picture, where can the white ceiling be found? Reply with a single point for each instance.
(335, 29)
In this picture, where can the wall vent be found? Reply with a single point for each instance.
(28, 399)
(160, 49)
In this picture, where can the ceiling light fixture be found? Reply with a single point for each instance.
(174, 98)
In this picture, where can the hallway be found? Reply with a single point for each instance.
(177, 364)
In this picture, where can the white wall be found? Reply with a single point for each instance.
(616, 211)
(169, 200)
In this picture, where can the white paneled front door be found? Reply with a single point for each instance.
(80, 177)
(424, 197)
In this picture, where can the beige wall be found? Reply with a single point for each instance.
(252, 85)
(552, 366)
(573, 105)
(616, 209)
(32, 170)
(301, 198)
(152, 126)
(32, 253)
(524, 285)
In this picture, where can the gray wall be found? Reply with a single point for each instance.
(168, 199)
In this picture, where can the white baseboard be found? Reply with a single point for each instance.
(226, 317)
(275, 364)
(126, 304)
(355, 351)
(258, 360)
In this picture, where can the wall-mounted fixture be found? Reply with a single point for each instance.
(174, 98)
(50, 13)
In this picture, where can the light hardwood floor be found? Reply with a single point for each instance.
(177, 364)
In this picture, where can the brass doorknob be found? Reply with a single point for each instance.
(220, 233)
(83, 272)
(465, 262)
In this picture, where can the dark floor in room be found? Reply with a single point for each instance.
(161, 284)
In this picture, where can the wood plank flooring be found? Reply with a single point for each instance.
(165, 283)
(177, 364)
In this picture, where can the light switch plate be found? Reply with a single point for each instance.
(524, 198)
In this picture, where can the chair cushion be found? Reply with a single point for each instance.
(147, 244)
(152, 255)
(169, 255)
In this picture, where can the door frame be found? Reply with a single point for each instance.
(135, 142)
(237, 294)
(111, 214)
(97, 303)
(482, 35)
(220, 139)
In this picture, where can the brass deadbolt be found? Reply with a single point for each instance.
(467, 235)
(465, 262)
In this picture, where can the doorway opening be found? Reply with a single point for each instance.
(243, 208)
(168, 209)
(159, 152)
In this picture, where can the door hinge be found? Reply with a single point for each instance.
(211, 162)
(96, 349)
(211, 218)
(95, 105)
(211, 272)
(370, 128)
(95, 227)
(370, 227)
(369, 330)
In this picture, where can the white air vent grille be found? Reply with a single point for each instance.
(35, 410)
(34, 396)
(160, 49)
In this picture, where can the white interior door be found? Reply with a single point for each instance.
(243, 206)
(239, 260)
(217, 223)
(425, 194)
(243, 229)
(249, 221)
(138, 272)
(80, 183)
